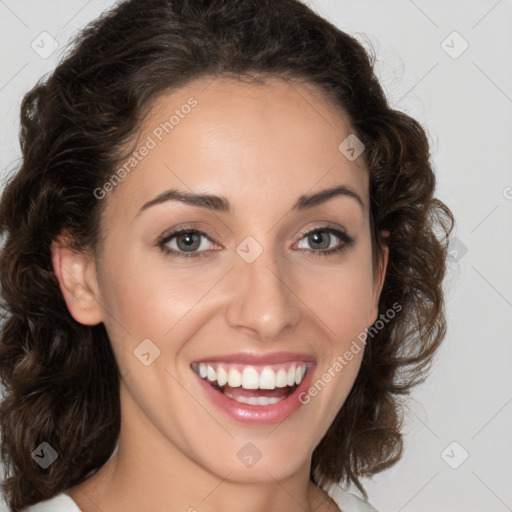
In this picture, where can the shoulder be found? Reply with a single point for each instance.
(60, 503)
(349, 502)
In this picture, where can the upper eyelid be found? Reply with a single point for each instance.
(174, 233)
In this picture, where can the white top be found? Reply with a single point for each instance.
(348, 502)
(60, 503)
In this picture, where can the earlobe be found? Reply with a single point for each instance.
(76, 274)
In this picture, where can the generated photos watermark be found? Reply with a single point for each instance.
(151, 142)
(343, 359)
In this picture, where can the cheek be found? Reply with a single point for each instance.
(163, 301)
(344, 303)
(343, 309)
(341, 296)
(150, 298)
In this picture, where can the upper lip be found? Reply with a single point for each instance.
(257, 359)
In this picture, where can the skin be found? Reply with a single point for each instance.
(261, 147)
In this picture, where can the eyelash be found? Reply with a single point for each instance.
(345, 238)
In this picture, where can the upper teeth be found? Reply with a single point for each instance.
(253, 377)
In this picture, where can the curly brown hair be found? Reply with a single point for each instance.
(61, 379)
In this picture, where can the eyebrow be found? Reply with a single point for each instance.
(221, 204)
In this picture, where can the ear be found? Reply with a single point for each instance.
(378, 281)
(76, 273)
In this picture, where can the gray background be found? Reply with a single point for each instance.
(464, 100)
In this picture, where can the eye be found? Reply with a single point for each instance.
(323, 241)
(185, 242)
(188, 242)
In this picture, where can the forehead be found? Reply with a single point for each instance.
(256, 142)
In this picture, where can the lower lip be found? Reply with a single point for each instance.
(259, 414)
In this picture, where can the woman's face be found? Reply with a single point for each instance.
(269, 279)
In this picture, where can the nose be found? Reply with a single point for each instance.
(263, 302)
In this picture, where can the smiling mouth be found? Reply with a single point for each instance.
(250, 384)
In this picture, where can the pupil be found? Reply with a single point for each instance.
(189, 240)
(317, 236)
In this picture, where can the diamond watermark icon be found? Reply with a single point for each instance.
(454, 45)
(454, 455)
(146, 352)
(44, 45)
(45, 455)
(249, 454)
(456, 249)
(351, 148)
(249, 250)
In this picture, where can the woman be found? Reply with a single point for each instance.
(223, 263)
